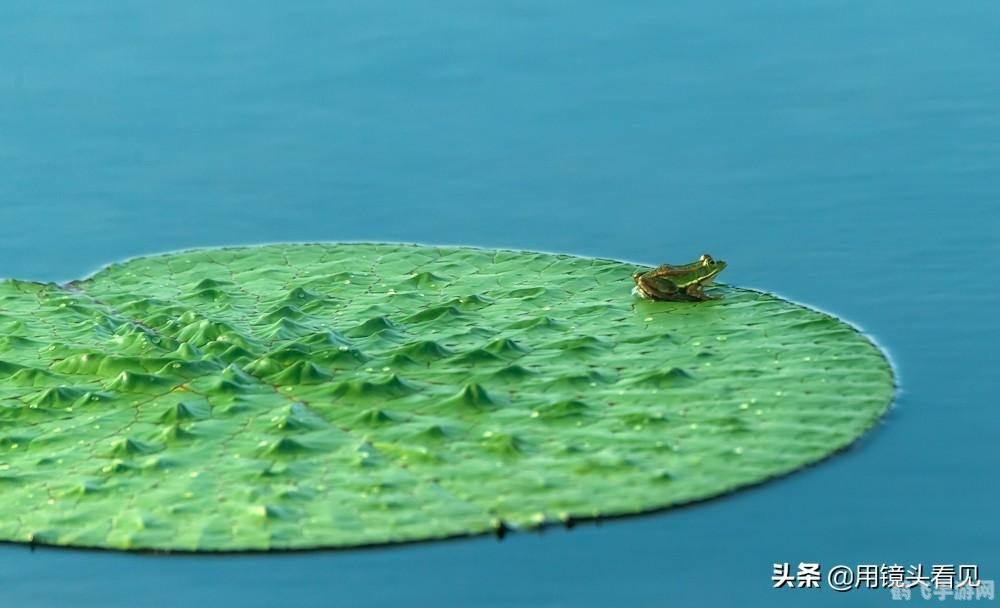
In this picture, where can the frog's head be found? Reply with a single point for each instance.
(703, 271)
(710, 266)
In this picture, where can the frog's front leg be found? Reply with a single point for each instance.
(695, 292)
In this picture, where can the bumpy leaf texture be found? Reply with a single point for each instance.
(335, 395)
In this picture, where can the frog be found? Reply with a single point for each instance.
(684, 283)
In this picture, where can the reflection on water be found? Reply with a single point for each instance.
(842, 155)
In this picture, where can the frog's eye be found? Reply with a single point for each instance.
(706, 259)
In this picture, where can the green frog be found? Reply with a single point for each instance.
(678, 283)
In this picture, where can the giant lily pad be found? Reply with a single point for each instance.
(305, 396)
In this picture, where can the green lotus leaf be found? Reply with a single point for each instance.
(335, 395)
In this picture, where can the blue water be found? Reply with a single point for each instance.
(842, 154)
